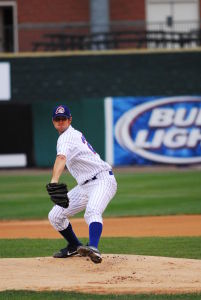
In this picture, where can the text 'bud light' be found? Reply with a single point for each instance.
(165, 130)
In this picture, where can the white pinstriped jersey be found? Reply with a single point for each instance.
(81, 160)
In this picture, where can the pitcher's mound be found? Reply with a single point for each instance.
(117, 274)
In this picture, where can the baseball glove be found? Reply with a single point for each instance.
(58, 193)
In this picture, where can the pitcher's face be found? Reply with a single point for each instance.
(61, 123)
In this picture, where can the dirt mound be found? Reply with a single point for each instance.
(117, 274)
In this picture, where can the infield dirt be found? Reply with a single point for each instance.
(184, 225)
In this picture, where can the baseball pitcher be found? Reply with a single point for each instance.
(96, 186)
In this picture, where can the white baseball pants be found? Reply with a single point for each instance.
(93, 196)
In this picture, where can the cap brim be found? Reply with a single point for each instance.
(60, 115)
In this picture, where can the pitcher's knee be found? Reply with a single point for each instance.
(93, 216)
(51, 217)
(57, 219)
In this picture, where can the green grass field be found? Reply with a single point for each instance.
(140, 194)
(22, 295)
(183, 247)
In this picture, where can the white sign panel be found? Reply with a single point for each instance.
(13, 160)
(5, 84)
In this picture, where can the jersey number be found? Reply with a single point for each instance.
(89, 146)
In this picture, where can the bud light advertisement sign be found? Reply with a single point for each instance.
(151, 130)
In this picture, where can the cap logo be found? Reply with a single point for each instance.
(60, 110)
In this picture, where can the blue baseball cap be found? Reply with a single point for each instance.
(61, 111)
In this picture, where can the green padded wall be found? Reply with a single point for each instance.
(93, 76)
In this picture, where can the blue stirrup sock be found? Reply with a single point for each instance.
(95, 230)
(70, 236)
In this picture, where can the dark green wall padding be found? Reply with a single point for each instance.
(83, 81)
(87, 117)
(93, 76)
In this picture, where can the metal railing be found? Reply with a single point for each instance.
(121, 35)
(118, 40)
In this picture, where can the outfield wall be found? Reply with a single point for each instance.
(82, 80)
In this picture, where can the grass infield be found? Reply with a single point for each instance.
(181, 247)
(140, 194)
(30, 295)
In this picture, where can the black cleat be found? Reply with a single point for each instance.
(70, 250)
(91, 252)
